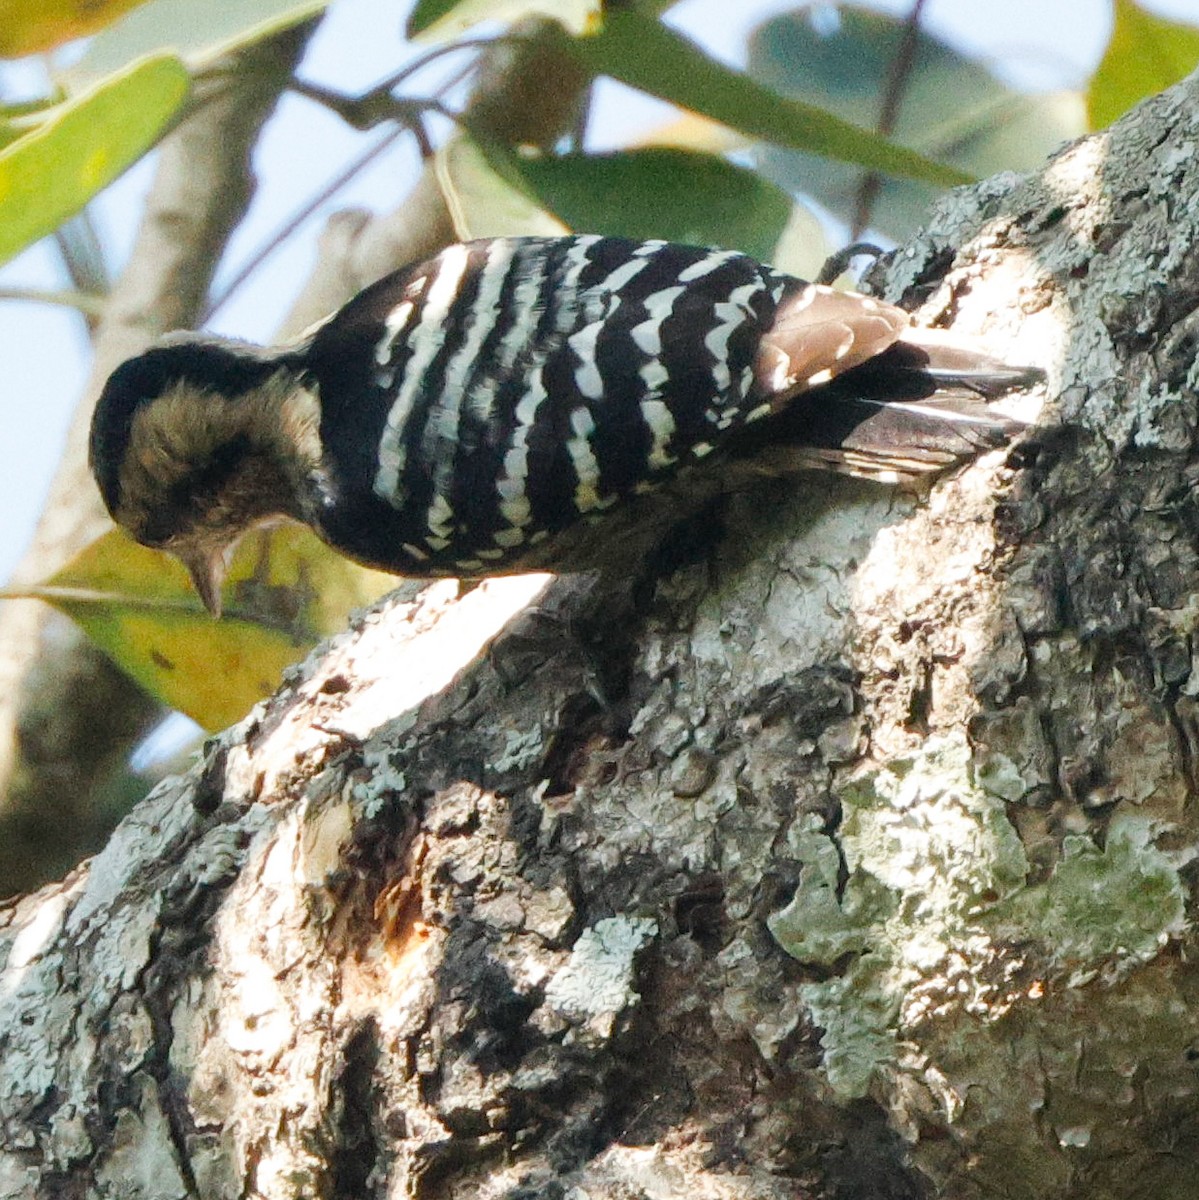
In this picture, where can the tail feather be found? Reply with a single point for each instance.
(856, 389)
(916, 409)
(954, 365)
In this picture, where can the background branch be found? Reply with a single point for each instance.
(68, 717)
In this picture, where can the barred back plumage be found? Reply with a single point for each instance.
(509, 387)
(464, 414)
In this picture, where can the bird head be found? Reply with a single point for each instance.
(196, 441)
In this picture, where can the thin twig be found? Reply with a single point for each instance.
(408, 112)
(297, 219)
(897, 81)
(365, 111)
(393, 81)
(378, 104)
(578, 135)
(88, 303)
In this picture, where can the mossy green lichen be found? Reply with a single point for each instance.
(1103, 907)
(915, 899)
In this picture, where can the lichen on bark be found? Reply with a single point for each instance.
(491, 899)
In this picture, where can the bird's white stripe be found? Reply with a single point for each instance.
(522, 310)
(625, 274)
(648, 335)
(443, 421)
(587, 376)
(706, 266)
(730, 315)
(516, 466)
(577, 258)
(659, 305)
(439, 517)
(514, 501)
(584, 460)
(426, 339)
(511, 487)
(661, 425)
(654, 375)
(392, 324)
(440, 438)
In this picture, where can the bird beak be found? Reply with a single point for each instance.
(207, 569)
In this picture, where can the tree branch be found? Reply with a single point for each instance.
(67, 716)
(854, 862)
(527, 92)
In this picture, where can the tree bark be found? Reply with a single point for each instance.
(854, 862)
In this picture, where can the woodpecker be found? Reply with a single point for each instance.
(497, 407)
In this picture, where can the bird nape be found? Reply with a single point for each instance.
(520, 404)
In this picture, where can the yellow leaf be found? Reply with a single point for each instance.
(285, 591)
(1146, 55)
(34, 26)
(690, 131)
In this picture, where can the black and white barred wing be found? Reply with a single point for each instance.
(504, 389)
(520, 384)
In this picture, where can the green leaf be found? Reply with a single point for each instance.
(666, 192)
(441, 20)
(1145, 55)
(83, 145)
(285, 591)
(486, 194)
(953, 109)
(662, 192)
(199, 33)
(22, 112)
(645, 54)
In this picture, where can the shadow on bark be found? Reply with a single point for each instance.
(854, 860)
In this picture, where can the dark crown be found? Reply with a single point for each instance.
(223, 368)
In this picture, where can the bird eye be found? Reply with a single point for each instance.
(154, 541)
(160, 529)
